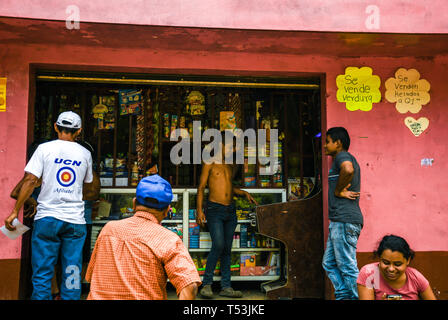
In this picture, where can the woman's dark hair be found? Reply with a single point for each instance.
(394, 243)
(340, 133)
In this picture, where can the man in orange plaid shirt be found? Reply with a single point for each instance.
(133, 257)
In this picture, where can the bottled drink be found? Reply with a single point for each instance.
(134, 177)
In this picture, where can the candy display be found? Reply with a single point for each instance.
(130, 101)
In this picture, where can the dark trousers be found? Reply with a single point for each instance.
(221, 222)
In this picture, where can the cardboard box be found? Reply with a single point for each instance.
(104, 209)
(248, 259)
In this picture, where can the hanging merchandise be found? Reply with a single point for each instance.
(104, 111)
(63, 103)
(130, 101)
(249, 168)
(156, 124)
(190, 129)
(182, 125)
(140, 141)
(166, 125)
(182, 122)
(195, 103)
(134, 176)
(235, 106)
(278, 175)
(258, 107)
(49, 121)
(227, 120)
(174, 121)
(149, 114)
(99, 109)
(266, 125)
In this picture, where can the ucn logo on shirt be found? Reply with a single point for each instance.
(66, 176)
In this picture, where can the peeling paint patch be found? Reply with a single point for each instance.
(426, 162)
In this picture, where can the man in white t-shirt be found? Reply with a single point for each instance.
(59, 225)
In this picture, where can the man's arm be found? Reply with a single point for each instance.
(29, 183)
(345, 177)
(15, 192)
(200, 218)
(246, 194)
(189, 292)
(91, 191)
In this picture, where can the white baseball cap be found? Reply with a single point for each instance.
(69, 119)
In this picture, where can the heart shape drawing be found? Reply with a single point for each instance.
(417, 126)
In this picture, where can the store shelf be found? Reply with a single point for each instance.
(100, 222)
(245, 278)
(172, 221)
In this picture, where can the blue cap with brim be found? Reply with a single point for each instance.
(154, 192)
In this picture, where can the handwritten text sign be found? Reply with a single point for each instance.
(407, 90)
(358, 88)
(416, 126)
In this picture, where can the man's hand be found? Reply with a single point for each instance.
(250, 198)
(30, 181)
(200, 218)
(31, 208)
(347, 194)
(10, 219)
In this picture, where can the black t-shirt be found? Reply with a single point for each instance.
(341, 209)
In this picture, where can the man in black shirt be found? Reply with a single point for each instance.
(346, 220)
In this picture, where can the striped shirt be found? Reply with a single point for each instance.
(134, 257)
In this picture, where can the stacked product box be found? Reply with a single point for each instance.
(205, 240)
(194, 231)
(243, 235)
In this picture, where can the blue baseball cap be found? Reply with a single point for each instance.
(154, 192)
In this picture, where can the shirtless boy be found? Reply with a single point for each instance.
(221, 221)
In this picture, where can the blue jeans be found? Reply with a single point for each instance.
(221, 222)
(51, 237)
(339, 259)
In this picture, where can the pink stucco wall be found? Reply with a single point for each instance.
(398, 194)
(402, 16)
